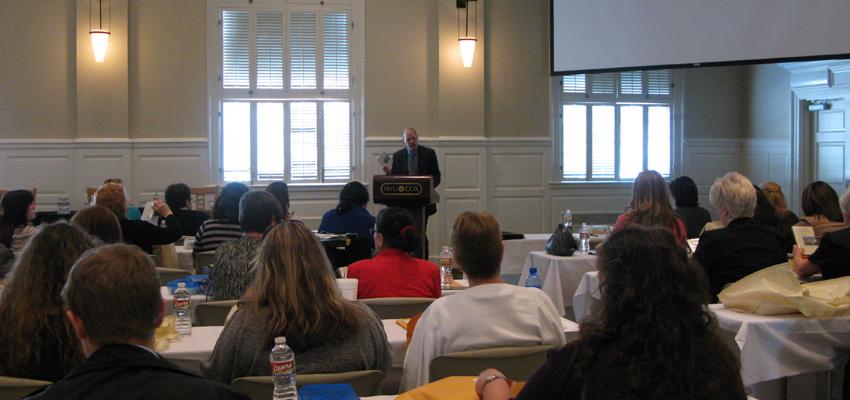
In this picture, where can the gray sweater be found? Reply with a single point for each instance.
(242, 350)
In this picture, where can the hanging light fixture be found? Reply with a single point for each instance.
(465, 40)
(99, 24)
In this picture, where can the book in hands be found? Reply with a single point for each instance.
(804, 237)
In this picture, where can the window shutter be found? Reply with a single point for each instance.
(602, 83)
(631, 82)
(659, 82)
(303, 141)
(302, 50)
(336, 42)
(574, 146)
(270, 144)
(574, 84)
(236, 141)
(235, 49)
(603, 154)
(270, 50)
(337, 127)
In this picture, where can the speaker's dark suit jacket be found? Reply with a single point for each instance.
(123, 371)
(426, 165)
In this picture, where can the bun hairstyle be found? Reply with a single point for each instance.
(396, 226)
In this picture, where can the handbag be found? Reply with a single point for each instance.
(561, 243)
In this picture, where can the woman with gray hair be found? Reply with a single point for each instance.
(741, 247)
(830, 259)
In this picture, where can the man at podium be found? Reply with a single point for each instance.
(415, 159)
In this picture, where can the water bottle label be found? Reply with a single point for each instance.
(180, 303)
(283, 367)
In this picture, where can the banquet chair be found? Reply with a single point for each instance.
(214, 313)
(204, 197)
(169, 274)
(204, 259)
(15, 388)
(397, 307)
(365, 383)
(90, 191)
(518, 362)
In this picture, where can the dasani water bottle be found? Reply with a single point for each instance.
(282, 361)
(532, 280)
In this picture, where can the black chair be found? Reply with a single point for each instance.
(356, 248)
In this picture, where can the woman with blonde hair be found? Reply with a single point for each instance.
(650, 206)
(37, 341)
(774, 195)
(294, 295)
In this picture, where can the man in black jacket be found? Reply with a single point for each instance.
(114, 305)
(415, 159)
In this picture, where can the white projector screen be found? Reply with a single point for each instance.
(606, 35)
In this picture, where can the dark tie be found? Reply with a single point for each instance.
(411, 164)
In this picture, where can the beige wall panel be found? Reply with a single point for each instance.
(769, 102)
(519, 214)
(715, 105)
(37, 69)
(167, 68)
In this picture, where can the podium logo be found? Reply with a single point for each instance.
(403, 189)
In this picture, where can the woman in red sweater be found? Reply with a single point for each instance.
(393, 272)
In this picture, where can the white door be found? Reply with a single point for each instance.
(830, 146)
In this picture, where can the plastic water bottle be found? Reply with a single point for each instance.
(584, 238)
(532, 280)
(446, 279)
(282, 361)
(568, 219)
(182, 310)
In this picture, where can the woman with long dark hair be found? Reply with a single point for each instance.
(280, 190)
(224, 225)
(18, 210)
(650, 336)
(393, 272)
(820, 209)
(686, 195)
(350, 215)
(37, 341)
(650, 206)
(295, 295)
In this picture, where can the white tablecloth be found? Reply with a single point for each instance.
(517, 250)
(586, 295)
(169, 302)
(189, 352)
(560, 276)
(774, 347)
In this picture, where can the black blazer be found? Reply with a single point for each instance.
(123, 371)
(190, 220)
(145, 235)
(738, 250)
(426, 163)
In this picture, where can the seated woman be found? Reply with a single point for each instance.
(488, 314)
(178, 196)
(140, 233)
(686, 195)
(281, 192)
(37, 341)
(650, 206)
(774, 195)
(100, 223)
(234, 260)
(634, 345)
(820, 209)
(393, 272)
(295, 295)
(350, 215)
(133, 212)
(741, 247)
(224, 225)
(831, 257)
(18, 208)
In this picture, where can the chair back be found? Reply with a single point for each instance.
(169, 274)
(516, 362)
(203, 198)
(214, 313)
(90, 191)
(204, 259)
(15, 388)
(365, 383)
(398, 307)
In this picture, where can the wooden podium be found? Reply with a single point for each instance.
(410, 192)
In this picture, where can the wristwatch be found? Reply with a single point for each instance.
(490, 378)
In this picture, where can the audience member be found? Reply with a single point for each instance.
(393, 272)
(820, 209)
(281, 192)
(650, 337)
(686, 195)
(295, 295)
(140, 233)
(18, 210)
(114, 305)
(650, 206)
(350, 215)
(234, 260)
(224, 225)
(488, 314)
(178, 196)
(37, 341)
(133, 212)
(765, 215)
(741, 247)
(832, 258)
(774, 195)
(100, 223)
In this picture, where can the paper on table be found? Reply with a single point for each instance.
(165, 334)
(451, 388)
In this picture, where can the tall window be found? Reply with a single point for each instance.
(613, 125)
(283, 91)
